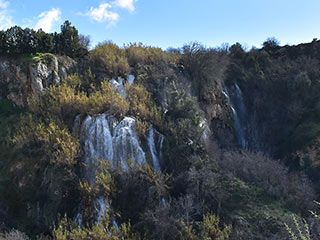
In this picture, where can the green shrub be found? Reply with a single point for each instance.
(141, 187)
(65, 102)
(103, 186)
(110, 58)
(107, 100)
(209, 228)
(142, 105)
(59, 147)
(300, 231)
(68, 230)
(205, 67)
(140, 54)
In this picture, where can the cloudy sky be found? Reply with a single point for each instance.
(172, 23)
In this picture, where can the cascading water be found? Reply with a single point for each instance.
(119, 84)
(96, 140)
(130, 79)
(126, 144)
(156, 154)
(104, 138)
(101, 205)
(234, 95)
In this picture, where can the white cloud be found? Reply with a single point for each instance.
(47, 19)
(3, 4)
(105, 12)
(5, 19)
(102, 13)
(127, 4)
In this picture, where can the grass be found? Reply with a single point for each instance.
(45, 58)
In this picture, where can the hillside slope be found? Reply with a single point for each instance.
(186, 137)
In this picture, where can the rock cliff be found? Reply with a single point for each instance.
(20, 77)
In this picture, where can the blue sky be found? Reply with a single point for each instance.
(172, 23)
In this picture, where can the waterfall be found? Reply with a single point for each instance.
(130, 79)
(78, 219)
(155, 154)
(103, 138)
(96, 140)
(126, 144)
(101, 205)
(205, 137)
(234, 95)
(119, 84)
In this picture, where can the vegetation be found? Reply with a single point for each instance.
(16, 40)
(301, 229)
(280, 85)
(208, 188)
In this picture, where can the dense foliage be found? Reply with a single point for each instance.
(281, 86)
(208, 188)
(16, 40)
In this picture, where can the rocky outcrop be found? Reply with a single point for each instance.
(20, 77)
(217, 119)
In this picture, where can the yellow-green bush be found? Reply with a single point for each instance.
(60, 101)
(55, 141)
(68, 230)
(107, 100)
(138, 53)
(142, 105)
(65, 102)
(74, 81)
(104, 186)
(209, 228)
(300, 229)
(111, 58)
(141, 128)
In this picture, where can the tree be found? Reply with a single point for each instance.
(70, 42)
(45, 41)
(236, 51)
(84, 41)
(14, 39)
(271, 44)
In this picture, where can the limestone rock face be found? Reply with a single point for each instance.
(20, 78)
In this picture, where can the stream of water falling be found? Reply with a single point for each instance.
(155, 153)
(119, 84)
(234, 95)
(104, 138)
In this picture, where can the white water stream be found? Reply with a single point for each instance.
(234, 95)
(103, 137)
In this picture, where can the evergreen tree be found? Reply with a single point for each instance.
(45, 41)
(70, 43)
(14, 39)
(28, 42)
